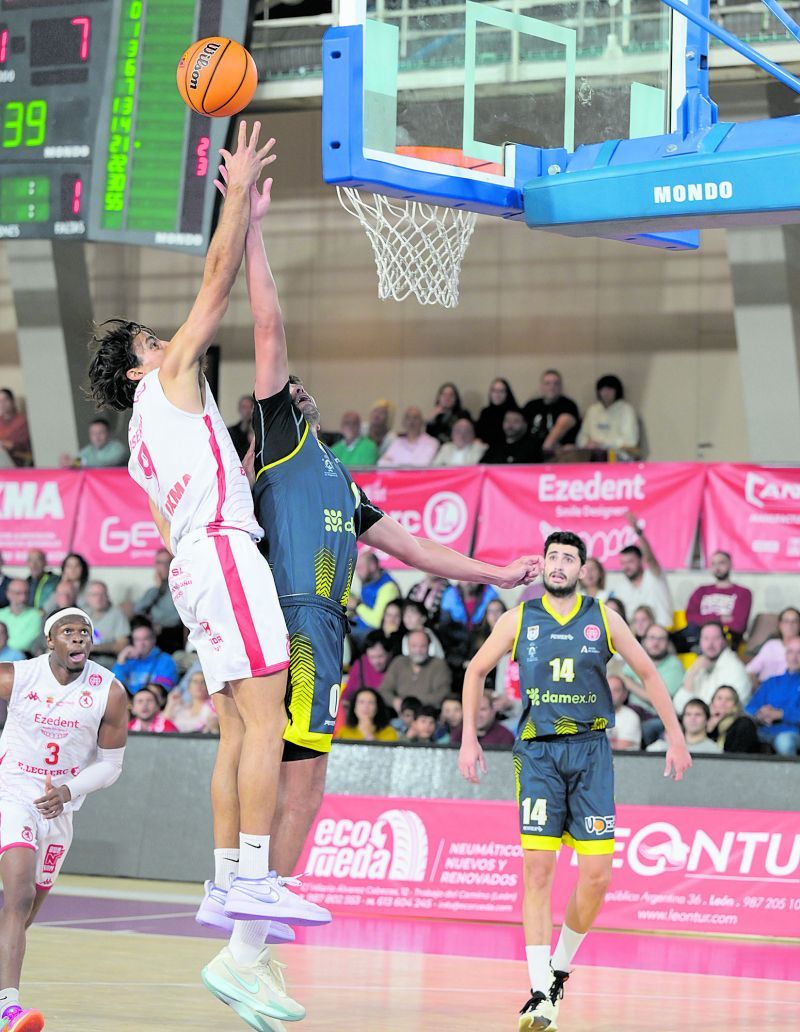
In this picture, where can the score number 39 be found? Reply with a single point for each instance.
(24, 125)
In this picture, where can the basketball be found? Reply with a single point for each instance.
(217, 77)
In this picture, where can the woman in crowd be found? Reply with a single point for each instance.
(368, 719)
(729, 726)
(610, 423)
(618, 606)
(593, 580)
(489, 427)
(76, 569)
(770, 661)
(392, 626)
(15, 438)
(415, 618)
(446, 410)
(196, 713)
(642, 620)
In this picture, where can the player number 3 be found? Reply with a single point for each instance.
(53, 749)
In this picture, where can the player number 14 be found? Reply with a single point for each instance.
(534, 810)
(563, 669)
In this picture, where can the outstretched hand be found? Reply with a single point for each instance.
(260, 200)
(524, 570)
(248, 161)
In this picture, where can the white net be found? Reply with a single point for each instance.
(418, 247)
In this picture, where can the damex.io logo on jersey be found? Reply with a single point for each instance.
(393, 847)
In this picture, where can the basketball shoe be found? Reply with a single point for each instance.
(211, 914)
(15, 1019)
(257, 992)
(269, 899)
(541, 1011)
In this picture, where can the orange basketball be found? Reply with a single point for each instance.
(217, 77)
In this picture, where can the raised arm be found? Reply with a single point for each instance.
(647, 551)
(224, 257)
(387, 535)
(272, 359)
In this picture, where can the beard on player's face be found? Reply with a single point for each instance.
(562, 587)
(306, 404)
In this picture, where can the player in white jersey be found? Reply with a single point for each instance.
(64, 737)
(183, 457)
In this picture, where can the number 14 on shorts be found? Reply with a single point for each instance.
(534, 810)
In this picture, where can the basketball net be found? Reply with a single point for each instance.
(418, 247)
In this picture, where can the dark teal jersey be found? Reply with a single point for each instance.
(562, 669)
(311, 510)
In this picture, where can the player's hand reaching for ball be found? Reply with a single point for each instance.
(51, 804)
(248, 161)
(259, 199)
(524, 570)
(470, 760)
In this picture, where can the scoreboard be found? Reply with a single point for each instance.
(95, 142)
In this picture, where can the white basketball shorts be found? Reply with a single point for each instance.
(23, 827)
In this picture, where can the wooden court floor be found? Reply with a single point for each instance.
(99, 981)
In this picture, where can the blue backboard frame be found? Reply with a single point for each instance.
(657, 190)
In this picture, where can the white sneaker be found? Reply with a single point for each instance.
(211, 914)
(271, 899)
(258, 988)
(538, 1014)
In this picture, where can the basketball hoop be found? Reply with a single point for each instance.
(418, 247)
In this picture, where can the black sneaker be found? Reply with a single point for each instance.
(557, 986)
(538, 1014)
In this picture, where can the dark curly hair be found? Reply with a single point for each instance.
(113, 356)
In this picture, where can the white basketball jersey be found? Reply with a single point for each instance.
(187, 464)
(51, 728)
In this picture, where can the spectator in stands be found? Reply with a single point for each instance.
(415, 618)
(656, 644)
(377, 590)
(775, 707)
(392, 626)
(102, 452)
(463, 449)
(41, 582)
(5, 580)
(626, 734)
(146, 713)
(379, 425)
(610, 423)
(724, 601)
(15, 439)
(447, 410)
(111, 626)
(368, 719)
(729, 726)
(645, 583)
(142, 662)
(414, 447)
(770, 660)
(76, 569)
(593, 579)
(466, 603)
(489, 427)
(450, 717)
(196, 713)
(517, 445)
(369, 669)
(694, 720)
(242, 432)
(715, 665)
(418, 674)
(618, 606)
(65, 595)
(354, 449)
(495, 680)
(642, 620)
(409, 708)
(429, 592)
(553, 418)
(24, 623)
(157, 605)
(490, 730)
(7, 654)
(424, 726)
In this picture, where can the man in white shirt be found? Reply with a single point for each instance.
(716, 665)
(626, 734)
(463, 449)
(645, 583)
(695, 724)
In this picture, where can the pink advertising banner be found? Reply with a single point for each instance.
(439, 504)
(754, 513)
(37, 510)
(675, 868)
(114, 525)
(521, 506)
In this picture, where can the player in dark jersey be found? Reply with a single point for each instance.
(313, 515)
(562, 758)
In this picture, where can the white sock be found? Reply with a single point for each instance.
(247, 940)
(539, 968)
(226, 867)
(8, 998)
(253, 856)
(566, 948)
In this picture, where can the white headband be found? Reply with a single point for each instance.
(61, 613)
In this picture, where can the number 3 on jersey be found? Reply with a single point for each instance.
(563, 669)
(534, 810)
(53, 749)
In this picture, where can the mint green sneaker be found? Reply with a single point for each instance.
(257, 992)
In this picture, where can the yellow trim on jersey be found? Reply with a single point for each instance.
(547, 842)
(557, 616)
(597, 847)
(519, 630)
(605, 624)
(291, 455)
